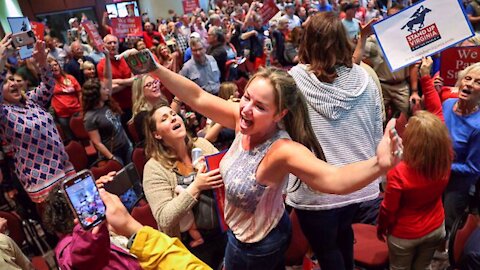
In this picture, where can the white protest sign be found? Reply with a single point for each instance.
(421, 30)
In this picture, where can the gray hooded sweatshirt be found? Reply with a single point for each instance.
(346, 117)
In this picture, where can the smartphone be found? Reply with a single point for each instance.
(141, 62)
(126, 185)
(25, 38)
(84, 199)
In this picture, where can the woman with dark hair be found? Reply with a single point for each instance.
(102, 119)
(40, 158)
(80, 249)
(345, 109)
(66, 97)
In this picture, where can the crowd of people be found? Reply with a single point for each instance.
(306, 106)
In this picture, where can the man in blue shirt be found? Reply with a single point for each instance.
(323, 5)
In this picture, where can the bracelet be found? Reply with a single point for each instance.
(176, 100)
(131, 240)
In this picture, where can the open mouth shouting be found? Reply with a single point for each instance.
(176, 126)
(245, 122)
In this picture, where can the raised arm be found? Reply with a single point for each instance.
(431, 98)
(365, 32)
(219, 110)
(153, 249)
(294, 158)
(107, 73)
(43, 93)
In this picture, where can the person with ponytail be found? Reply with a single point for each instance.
(270, 114)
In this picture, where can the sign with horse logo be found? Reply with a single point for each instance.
(421, 30)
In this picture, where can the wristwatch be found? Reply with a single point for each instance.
(131, 240)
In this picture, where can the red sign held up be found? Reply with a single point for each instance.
(127, 27)
(455, 59)
(38, 29)
(189, 6)
(268, 10)
(93, 34)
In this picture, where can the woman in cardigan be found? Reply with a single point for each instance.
(40, 157)
(169, 148)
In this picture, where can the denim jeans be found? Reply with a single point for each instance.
(124, 153)
(330, 235)
(263, 255)
(64, 123)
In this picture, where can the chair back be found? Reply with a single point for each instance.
(368, 250)
(104, 167)
(143, 214)
(298, 244)
(139, 160)
(15, 227)
(77, 155)
(133, 132)
(77, 127)
(461, 230)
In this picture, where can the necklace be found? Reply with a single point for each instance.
(466, 111)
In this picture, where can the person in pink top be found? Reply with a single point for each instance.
(411, 214)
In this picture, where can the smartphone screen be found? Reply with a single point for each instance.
(126, 185)
(82, 193)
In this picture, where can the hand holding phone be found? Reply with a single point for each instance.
(26, 38)
(84, 199)
(126, 185)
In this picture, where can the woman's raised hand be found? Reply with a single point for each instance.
(4, 43)
(40, 53)
(390, 148)
(426, 66)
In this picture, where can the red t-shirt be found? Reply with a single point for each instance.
(65, 99)
(120, 70)
(412, 206)
(148, 39)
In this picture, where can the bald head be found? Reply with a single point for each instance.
(111, 43)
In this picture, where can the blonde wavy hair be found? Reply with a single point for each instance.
(138, 98)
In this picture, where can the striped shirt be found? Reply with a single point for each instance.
(346, 117)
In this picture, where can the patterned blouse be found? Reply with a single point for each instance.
(252, 210)
(39, 154)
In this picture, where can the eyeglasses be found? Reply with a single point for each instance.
(152, 83)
